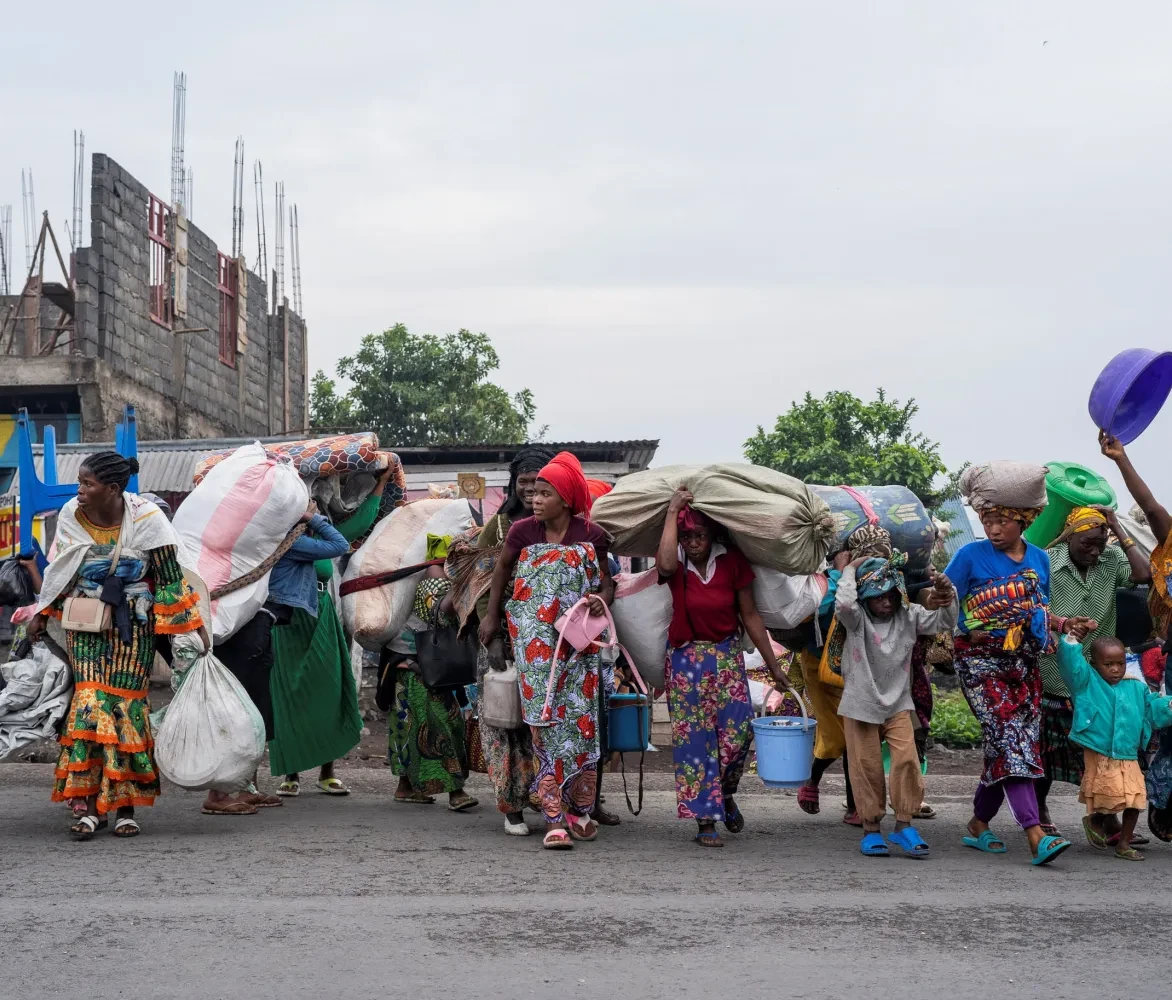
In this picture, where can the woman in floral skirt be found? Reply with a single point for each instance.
(556, 558)
(707, 689)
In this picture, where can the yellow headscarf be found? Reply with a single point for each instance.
(1081, 519)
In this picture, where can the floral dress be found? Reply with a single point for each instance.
(107, 748)
(549, 580)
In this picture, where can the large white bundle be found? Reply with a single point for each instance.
(786, 601)
(1004, 484)
(35, 699)
(233, 521)
(642, 613)
(212, 736)
(375, 617)
(774, 519)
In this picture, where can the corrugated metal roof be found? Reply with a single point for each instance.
(957, 515)
(169, 466)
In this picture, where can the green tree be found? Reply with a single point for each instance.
(424, 390)
(842, 440)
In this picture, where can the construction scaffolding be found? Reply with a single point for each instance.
(23, 329)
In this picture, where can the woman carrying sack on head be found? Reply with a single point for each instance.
(425, 728)
(559, 558)
(707, 689)
(115, 582)
(1003, 583)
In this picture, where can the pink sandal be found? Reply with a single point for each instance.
(808, 799)
(557, 839)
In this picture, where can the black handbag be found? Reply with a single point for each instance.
(445, 660)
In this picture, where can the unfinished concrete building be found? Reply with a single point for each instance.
(154, 315)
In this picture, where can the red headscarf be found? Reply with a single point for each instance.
(597, 488)
(564, 474)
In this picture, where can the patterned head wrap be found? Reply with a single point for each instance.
(1079, 520)
(870, 540)
(1025, 516)
(876, 577)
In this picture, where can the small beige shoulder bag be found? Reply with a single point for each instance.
(92, 614)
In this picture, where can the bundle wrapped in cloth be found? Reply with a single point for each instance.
(1011, 485)
(318, 458)
(774, 519)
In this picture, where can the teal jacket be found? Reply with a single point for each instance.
(1112, 720)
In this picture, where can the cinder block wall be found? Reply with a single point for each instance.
(176, 379)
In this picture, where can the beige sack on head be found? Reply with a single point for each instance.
(1004, 484)
(773, 519)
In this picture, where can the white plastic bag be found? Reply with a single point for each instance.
(642, 614)
(233, 521)
(212, 735)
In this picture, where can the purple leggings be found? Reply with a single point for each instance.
(1023, 802)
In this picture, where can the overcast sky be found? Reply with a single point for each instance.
(672, 218)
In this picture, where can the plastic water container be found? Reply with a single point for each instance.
(1067, 486)
(628, 723)
(785, 749)
(1130, 391)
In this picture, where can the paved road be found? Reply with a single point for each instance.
(359, 898)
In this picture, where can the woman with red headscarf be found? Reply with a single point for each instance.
(556, 558)
(707, 688)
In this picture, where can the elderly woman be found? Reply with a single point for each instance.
(556, 558)
(707, 689)
(1085, 573)
(115, 563)
(1004, 587)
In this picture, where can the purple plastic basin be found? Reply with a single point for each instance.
(1129, 392)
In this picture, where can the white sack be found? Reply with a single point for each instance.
(375, 617)
(233, 521)
(786, 601)
(212, 735)
(642, 613)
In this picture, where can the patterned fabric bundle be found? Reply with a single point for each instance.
(1014, 607)
(319, 457)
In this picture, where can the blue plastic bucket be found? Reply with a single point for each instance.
(785, 749)
(628, 723)
(1130, 391)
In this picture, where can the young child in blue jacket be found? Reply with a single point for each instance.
(1114, 716)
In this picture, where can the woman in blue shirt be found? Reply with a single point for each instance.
(1004, 587)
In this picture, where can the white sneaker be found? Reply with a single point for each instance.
(516, 829)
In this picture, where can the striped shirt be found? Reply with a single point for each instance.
(1091, 596)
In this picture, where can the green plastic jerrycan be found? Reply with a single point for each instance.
(1068, 485)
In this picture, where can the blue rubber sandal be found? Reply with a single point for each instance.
(1048, 849)
(910, 842)
(984, 842)
(874, 846)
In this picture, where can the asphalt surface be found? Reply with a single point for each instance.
(358, 897)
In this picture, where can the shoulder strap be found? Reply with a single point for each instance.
(117, 553)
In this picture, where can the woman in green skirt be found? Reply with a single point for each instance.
(315, 701)
(425, 728)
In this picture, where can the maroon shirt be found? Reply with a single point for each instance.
(530, 531)
(707, 612)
